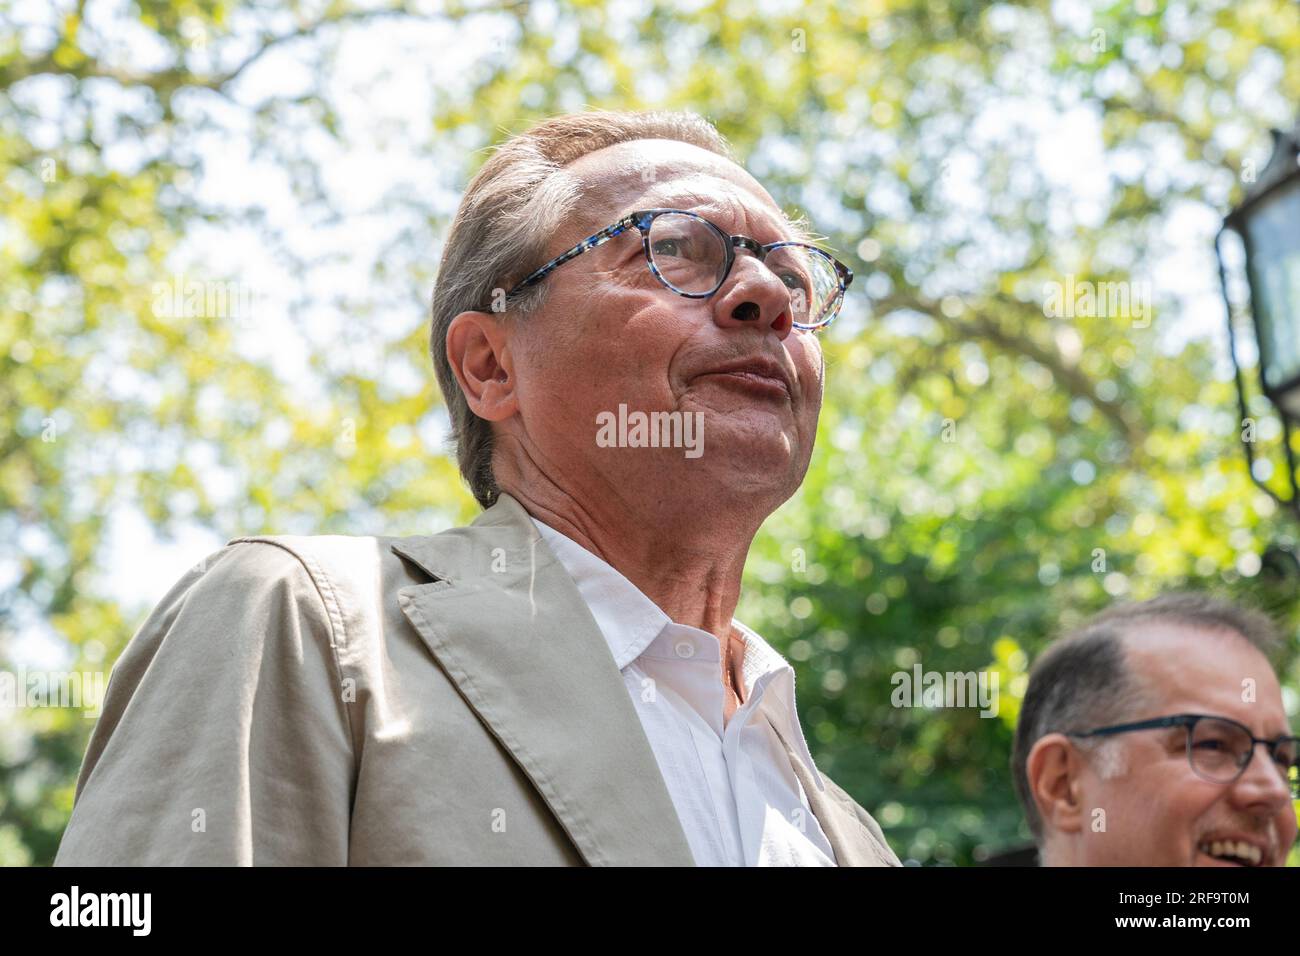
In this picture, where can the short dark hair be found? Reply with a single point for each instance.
(1083, 679)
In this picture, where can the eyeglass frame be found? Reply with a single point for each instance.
(642, 219)
(1189, 722)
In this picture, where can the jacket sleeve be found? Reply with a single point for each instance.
(224, 736)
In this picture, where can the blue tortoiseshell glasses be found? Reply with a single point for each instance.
(691, 256)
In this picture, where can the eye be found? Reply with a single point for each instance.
(667, 247)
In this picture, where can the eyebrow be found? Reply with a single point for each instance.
(787, 229)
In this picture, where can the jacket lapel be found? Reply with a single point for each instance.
(853, 844)
(508, 625)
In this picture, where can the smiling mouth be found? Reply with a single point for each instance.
(1237, 852)
(753, 382)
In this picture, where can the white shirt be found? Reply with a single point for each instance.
(736, 795)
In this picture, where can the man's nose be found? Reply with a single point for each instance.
(1262, 782)
(754, 297)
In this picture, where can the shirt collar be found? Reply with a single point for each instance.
(629, 621)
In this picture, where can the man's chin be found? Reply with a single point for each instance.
(746, 483)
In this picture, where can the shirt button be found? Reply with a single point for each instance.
(685, 649)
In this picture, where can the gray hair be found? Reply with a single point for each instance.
(1083, 680)
(512, 207)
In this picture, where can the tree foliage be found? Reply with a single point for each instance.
(987, 472)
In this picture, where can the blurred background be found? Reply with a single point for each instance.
(220, 223)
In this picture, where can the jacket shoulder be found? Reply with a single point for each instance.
(334, 560)
(308, 547)
(354, 576)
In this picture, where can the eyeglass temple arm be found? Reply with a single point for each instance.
(1179, 720)
(1174, 721)
(591, 242)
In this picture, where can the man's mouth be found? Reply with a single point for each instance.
(757, 375)
(756, 382)
(1237, 852)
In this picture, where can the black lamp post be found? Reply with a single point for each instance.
(1268, 222)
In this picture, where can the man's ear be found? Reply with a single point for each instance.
(1053, 772)
(478, 351)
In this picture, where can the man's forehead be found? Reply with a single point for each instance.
(1202, 670)
(654, 172)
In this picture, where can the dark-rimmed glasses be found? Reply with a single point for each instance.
(1218, 748)
(693, 257)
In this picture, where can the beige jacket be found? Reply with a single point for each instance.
(332, 700)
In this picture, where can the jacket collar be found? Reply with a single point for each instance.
(507, 624)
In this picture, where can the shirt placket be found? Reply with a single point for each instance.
(700, 663)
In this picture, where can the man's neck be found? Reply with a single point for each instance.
(693, 577)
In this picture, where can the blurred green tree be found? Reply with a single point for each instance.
(989, 468)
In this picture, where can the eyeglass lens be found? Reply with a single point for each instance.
(692, 258)
(1220, 749)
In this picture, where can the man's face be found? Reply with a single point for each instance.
(1158, 812)
(610, 334)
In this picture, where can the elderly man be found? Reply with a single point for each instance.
(624, 330)
(1155, 736)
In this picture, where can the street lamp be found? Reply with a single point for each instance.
(1268, 222)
